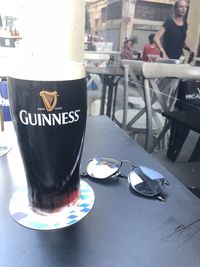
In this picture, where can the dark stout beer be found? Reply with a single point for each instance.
(49, 117)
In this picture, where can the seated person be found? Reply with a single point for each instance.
(150, 49)
(127, 51)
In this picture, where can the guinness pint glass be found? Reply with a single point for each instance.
(48, 109)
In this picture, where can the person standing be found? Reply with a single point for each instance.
(150, 49)
(173, 33)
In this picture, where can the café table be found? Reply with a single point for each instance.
(122, 229)
(197, 61)
(185, 134)
(110, 76)
(187, 118)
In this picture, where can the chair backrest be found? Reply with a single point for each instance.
(167, 60)
(151, 70)
(154, 75)
(135, 66)
(134, 69)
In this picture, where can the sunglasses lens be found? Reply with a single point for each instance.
(102, 167)
(146, 181)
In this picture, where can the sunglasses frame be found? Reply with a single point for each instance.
(117, 173)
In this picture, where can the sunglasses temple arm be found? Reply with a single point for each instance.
(120, 175)
(167, 182)
(84, 174)
(161, 197)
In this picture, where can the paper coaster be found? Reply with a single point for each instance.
(23, 214)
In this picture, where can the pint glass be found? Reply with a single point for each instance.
(49, 116)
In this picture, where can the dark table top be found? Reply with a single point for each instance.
(123, 228)
(187, 118)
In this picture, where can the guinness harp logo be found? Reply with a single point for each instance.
(49, 99)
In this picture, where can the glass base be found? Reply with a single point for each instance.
(4, 149)
(22, 212)
(6, 139)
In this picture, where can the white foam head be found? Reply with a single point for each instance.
(31, 68)
(53, 44)
(55, 28)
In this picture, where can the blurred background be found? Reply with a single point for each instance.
(106, 21)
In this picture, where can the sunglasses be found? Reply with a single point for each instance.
(143, 180)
